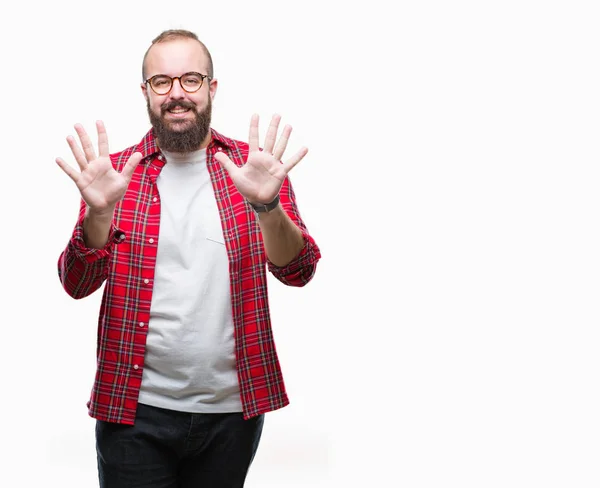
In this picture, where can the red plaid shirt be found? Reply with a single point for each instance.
(127, 265)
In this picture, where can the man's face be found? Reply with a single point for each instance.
(181, 120)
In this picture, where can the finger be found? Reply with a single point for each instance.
(131, 164)
(102, 139)
(271, 133)
(74, 175)
(295, 159)
(86, 143)
(77, 152)
(253, 137)
(226, 163)
(282, 143)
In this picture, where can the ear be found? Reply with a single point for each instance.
(212, 89)
(144, 90)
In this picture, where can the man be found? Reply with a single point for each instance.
(181, 228)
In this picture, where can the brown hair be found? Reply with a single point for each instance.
(172, 34)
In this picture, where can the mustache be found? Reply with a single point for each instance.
(175, 103)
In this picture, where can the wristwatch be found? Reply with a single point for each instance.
(265, 207)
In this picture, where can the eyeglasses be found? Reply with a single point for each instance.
(190, 82)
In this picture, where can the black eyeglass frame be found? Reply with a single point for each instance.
(178, 78)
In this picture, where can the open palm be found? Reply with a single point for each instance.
(100, 185)
(260, 178)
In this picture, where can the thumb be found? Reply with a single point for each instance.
(226, 163)
(131, 164)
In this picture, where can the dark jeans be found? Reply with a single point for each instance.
(168, 449)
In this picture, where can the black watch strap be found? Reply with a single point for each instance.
(265, 207)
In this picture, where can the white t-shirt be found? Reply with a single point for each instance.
(190, 358)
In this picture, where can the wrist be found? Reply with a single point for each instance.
(265, 207)
(105, 214)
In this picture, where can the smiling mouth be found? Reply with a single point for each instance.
(178, 110)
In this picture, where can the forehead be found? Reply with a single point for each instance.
(176, 57)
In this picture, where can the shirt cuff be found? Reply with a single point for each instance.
(306, 258)
(89, 254)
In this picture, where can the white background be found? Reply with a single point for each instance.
(450, 336)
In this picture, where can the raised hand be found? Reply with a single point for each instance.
(100, 185)
(260, 178)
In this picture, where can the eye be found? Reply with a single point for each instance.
(192, 80)
(160, 82)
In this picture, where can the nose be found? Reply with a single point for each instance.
(177, 91)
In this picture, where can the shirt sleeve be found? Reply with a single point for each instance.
(302, 268)
(81, 269)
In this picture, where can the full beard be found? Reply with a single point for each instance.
(180, 136)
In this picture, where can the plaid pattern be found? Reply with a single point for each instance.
(127, 264)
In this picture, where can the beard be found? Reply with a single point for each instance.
(180, 136)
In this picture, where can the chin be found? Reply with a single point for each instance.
(178, 124)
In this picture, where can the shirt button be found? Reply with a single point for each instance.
(155, 199)
(146, 281)
(151, 240)
(142, 324)
(136, 367)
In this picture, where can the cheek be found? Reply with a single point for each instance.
(201, 102)
(198, 99)
(155, 104)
